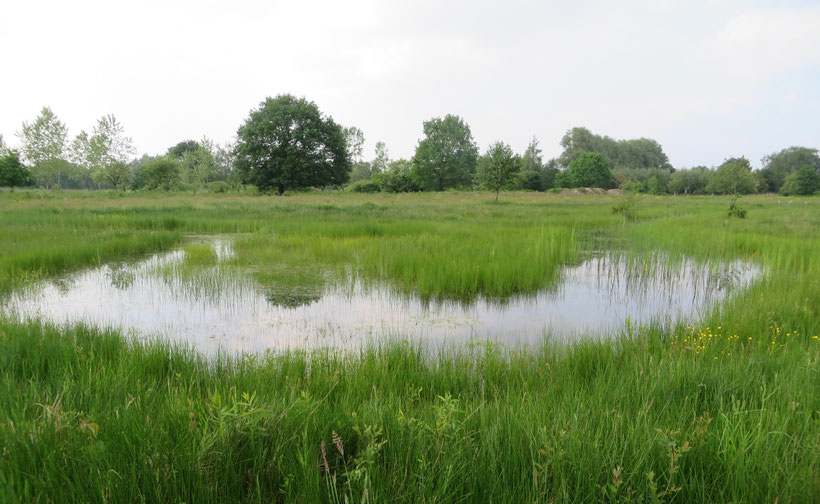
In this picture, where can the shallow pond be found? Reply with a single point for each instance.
(221, 309)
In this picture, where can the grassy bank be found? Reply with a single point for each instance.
(723, 409)
(91, 418)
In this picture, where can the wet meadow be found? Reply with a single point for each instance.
(331, 347)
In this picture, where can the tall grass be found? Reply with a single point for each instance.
(723, 409)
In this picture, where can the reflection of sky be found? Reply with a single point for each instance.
(232, 313)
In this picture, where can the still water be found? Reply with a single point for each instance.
(222, 310)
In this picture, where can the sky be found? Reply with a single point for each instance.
(707, 79)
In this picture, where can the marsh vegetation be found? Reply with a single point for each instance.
(699, 384)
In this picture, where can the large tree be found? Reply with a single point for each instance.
(446, 157)
(288, 143)
(779, 165)
(497, 167)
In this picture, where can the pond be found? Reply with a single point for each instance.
(219, 309)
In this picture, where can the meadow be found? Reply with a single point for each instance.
(724, 408)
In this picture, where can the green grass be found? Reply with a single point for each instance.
(723, 409)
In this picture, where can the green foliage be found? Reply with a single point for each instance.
(381, 162)
(532, 160)
(590, 169)
(735, 210)
(778, 166)
(288, 143)
(399, 178)
(219, 186)
(626, 206)
(497, 167)
(198, 166)
(365, 186)
(44, 139)
(179, 150)
(12, 171)
(162, 173)
(642, 153)
(803, 182)
(446, 157)
(354, 143)
(105, 152)
(734, 176)
(691, 181)
(362, 170)
(529, 180)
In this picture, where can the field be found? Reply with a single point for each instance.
(724, 408)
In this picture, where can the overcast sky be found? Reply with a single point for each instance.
(707, 79)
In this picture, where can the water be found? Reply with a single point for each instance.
(222, 309)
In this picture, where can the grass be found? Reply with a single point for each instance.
(723, 409)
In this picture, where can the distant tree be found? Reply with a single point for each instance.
(44, 139)
(198, 166)
(50, 172)
(382, 159)
(288, 143)
(361, 170)
(531, 160)
(529, 180)
(446, 157)
(778, 166)
(734, 176)
(42, 142)
(398, 178)
(497, 167)
(4, 149)
(179, 150)
(803, 182)
(12, 171)
(549, 174)
(692, 181)
(354, 140)
(105, 152)
(590, 169)
(164, 173)
(640, 153)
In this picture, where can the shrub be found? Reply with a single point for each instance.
(219, 187)
(365, 186)
(803, 182)
(529, 180)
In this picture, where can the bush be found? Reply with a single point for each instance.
(161, 173)
(219, 187)
(529, 180)
(365, 186)
(590, 169)
(12, 171)
(803, 182)
(734, 176)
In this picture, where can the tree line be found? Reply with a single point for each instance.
(286, 143)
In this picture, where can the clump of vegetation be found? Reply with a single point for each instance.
(735, 210)
(626, 207)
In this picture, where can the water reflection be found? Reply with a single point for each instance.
(222, 309)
